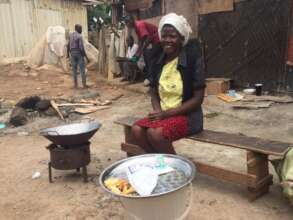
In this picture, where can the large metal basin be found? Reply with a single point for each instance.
(170, 200)
(185, 173)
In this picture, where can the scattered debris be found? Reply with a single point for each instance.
(26, 68)
(117, 97)
(107, 102)
(28, 102)
(18, 116)
(74, 104)
(50, 112)
(2, 126)
(252, 105)
(28, 107)
(55, 106)
(3, 111)
(275, 99)
(7, 104)
(254, 102)
(88, 110)
(227, 98)
(43, 105)
(96, 102)
(87, 95)
(22, 133)
(33, 74)
(258, 102)
(34, 106)
(249, 91)
(36, 175)
(211, 115)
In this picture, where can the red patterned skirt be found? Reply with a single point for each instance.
(174, 128)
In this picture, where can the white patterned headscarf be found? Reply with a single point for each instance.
(179, 23)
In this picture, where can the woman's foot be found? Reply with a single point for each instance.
(146, 82)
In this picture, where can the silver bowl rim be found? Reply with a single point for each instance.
(190, 163)
(53, 129)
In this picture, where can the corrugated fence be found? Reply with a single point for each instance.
(23, 22)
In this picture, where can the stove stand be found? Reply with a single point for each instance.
(69, 158)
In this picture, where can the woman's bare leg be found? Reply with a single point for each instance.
(139, 135)
(159, 143)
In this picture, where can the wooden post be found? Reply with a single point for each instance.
(257, 165)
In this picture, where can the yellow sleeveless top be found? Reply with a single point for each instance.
(170, 86)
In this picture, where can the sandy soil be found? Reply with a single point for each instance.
(68, 197)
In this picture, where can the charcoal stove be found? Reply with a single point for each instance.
(74, 157)
(70, 148)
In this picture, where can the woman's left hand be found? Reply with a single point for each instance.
(158, 115)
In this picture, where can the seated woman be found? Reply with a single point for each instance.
(177, 90)
(130, 71)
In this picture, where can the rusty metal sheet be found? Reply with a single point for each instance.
(212, 6)
(249, 44)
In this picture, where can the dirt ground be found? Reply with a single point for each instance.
(22, 197)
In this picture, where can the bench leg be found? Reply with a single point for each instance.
(257, 165)
(128, 139)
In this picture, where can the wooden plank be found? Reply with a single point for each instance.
(226, 175)
(257, 164)
(266, 181)
(243, 142)
(55, 106)
(132, 149)
(257, 193)
(90, 109)
(127, 121)
(232, 140)
(74, 104)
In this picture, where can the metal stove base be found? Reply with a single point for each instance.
(84, 173)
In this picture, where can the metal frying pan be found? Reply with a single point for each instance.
(71, 134)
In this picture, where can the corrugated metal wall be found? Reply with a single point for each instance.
(187, 8)
(248, 44)
(23, 22)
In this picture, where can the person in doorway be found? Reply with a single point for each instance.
(76, 52)
(177, 90)
(148, 43)
(129, 70)
(132, 47)
(133, 70)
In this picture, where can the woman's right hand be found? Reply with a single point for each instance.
(157, 115)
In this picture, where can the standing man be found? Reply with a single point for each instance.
(76, 52)
(148, 44)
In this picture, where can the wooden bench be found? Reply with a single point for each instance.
(257, 179)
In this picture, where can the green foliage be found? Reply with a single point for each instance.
(102, 11)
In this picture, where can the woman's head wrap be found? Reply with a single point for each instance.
(179, 23)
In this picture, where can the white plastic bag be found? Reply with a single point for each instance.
(143, 179)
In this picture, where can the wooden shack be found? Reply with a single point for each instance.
(245, 40)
